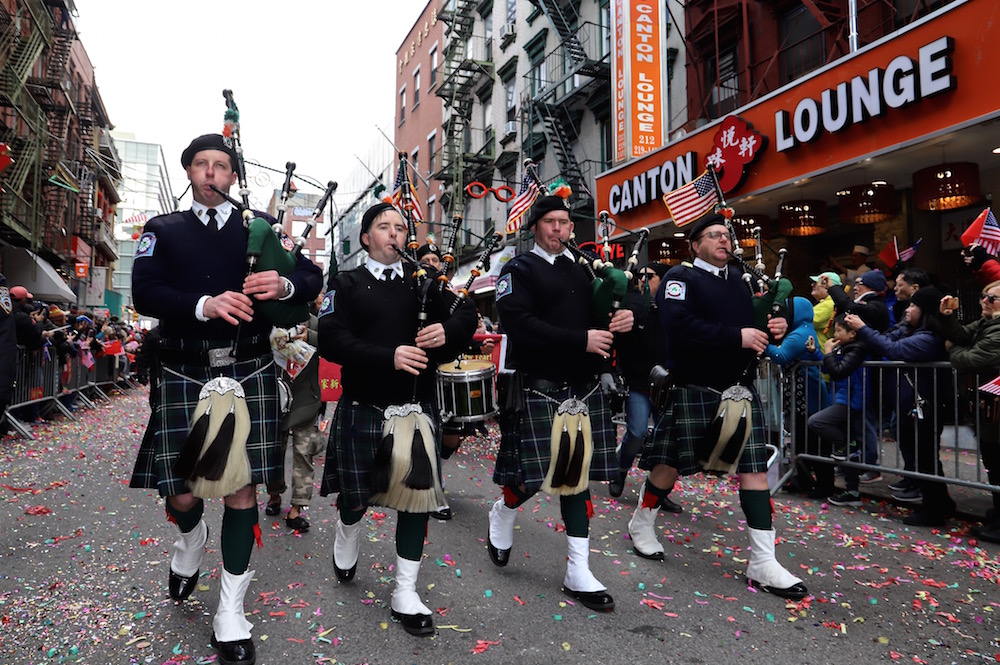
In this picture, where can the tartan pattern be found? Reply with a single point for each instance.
(526, 440)
(354, 437)
(681, 427)
(170, 423)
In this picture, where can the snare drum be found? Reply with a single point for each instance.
(466, 391)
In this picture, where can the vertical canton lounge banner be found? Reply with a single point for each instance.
(638, 77)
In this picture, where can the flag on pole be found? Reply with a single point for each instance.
(397, 196)
(984, 231)
(892, 255)
(689, 202)
(991, 387)
(522, 203)
(137, 219)
(908, 253)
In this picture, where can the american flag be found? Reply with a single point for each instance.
(908, 253)
(688, 203)
(137, 219)
(991, 387)
(984, 232)
(397, 196)
(522, 204)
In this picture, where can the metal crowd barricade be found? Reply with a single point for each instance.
(950, 423)
(43, 381)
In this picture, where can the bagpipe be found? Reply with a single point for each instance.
(268, 247)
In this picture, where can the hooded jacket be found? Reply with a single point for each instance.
(793, 349)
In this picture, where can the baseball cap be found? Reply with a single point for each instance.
(832, 276)
(20, 293)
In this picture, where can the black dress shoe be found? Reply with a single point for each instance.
(272, 509)
(421, 625)
(671, 506)
(181, 587)
(497, 556)
(924, 517)
(344, 575)
(443, 514)
(795, 592)
(298, 523)
(240, 652)
(616, 487)
(599, 601)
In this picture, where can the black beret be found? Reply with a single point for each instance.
(210, 142)
(369, 217)
(424, 250)
(544, 205)
(704, 223)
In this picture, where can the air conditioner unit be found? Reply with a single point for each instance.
(99, 213)
(506, 30)
(510, 128)
(66, 85)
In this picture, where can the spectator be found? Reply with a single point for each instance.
(907, 282)
(842, 360)
(918, 407)
(8, 352)
(824, 308)
(804, 391)
(983, 265)
(859, 260)
(975, 347)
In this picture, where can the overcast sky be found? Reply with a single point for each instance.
(312, 78)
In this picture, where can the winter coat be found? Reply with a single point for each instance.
(810, 389)
(976, 345)
(913, 345)
(844, 366)
(872, 308)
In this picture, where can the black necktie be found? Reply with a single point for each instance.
(213, 223)
(388, 275)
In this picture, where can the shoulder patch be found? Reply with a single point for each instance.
(145, 245)
(674, 290)
(287, 242)
(504, 286)
(327, 305)
(5, 302)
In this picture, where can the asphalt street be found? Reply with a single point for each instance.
(84, 569)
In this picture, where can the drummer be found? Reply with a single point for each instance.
(452, 432)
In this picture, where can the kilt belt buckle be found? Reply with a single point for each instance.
(220, 357)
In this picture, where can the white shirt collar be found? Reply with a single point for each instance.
(377, 269)
(708, 267)
(551, 258)
(222, 212)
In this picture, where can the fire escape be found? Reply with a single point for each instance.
(464, 65)
(23, 127)
(53, 90)
(557, 88)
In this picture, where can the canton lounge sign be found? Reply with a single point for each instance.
(902, 82)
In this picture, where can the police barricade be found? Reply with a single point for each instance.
(942, 414)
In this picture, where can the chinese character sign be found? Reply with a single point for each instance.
(735, 147)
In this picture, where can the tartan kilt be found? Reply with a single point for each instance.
(681, 427)
(526, 440)
(350, 451)
(170, 423)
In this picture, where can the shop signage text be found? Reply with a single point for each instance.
(649, 186)
(902, 82)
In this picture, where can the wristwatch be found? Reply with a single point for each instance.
(289, 289)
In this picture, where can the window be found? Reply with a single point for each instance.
(434, 65)
(488, 125)
(431, 212)
(488, 25)
(535, 50)
(431, 140)
(402, 104)
(511, 11)
(726, 89)
(510, 93)
(415, 165)
(803, 44)
(416, 87)
(605, 30)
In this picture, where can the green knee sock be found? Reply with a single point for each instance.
(237, 538)
(349, 517)
(188, 520)
(576, 514)
(410, 531)
(757, 507)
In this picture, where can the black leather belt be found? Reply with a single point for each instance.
(211, 353)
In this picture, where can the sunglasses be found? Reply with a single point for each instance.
(988, 298)
(646, 275)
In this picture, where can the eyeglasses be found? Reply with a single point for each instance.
(858, 282)
(988, 298)
(715, 235)
(646, 275)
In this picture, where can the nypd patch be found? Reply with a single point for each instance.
(327, 305)
(287, 242)
(5, 302)
(145, 245)
(504, 286)
(675, 290)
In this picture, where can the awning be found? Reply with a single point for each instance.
(47, 285)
